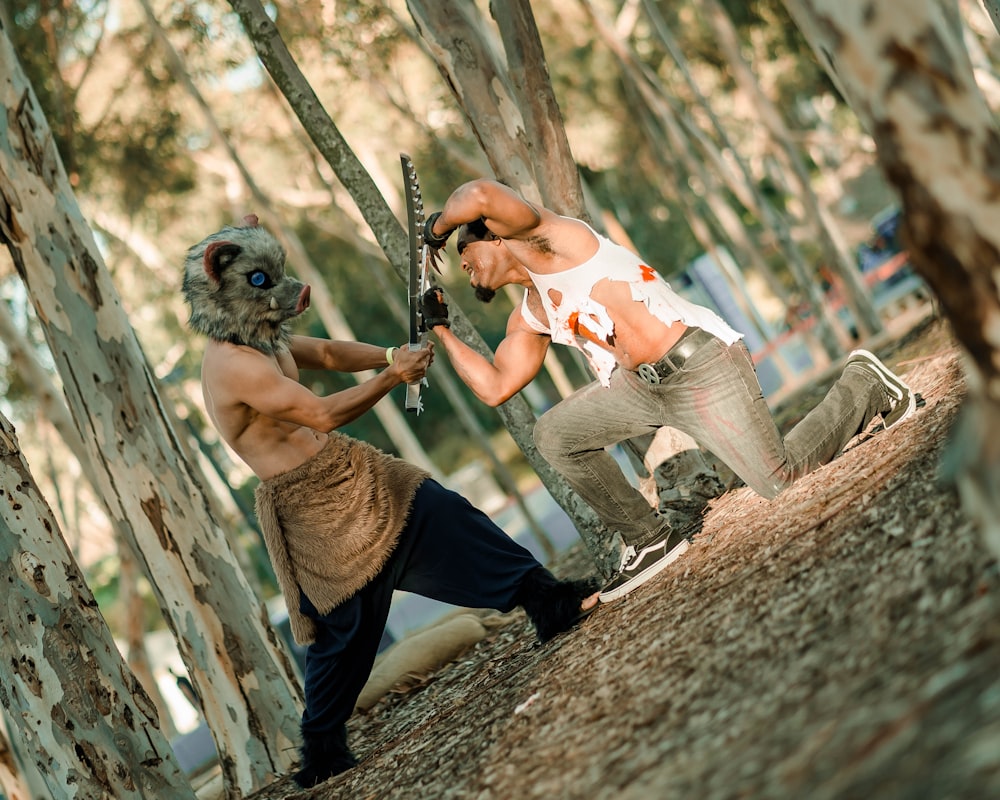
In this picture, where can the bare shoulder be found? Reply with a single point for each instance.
(235, 370)
(556, 243)
(224, 359)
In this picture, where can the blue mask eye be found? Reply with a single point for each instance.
(258, 279)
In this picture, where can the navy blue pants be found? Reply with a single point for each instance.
(449, 551)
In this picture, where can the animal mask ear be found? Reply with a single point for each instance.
(218, 256)
(250, 221)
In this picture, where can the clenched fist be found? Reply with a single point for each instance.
(433, 308)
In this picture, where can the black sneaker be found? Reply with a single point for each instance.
(638, 567)
(902, 399)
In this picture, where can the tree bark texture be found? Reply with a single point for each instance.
(466, 56)
(84, 718)
(515, 413)
(252, 700)
(909, 79)
(993, 7)
(544, 133)
(52, 409)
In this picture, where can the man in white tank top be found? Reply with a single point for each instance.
(659, 359)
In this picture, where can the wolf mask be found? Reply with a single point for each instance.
(236, 285)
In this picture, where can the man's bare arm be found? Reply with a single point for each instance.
(338, 356)
(541, 239)
(506, 213)
(253, 379)
(517, 360)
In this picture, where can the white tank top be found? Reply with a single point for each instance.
(577, 308)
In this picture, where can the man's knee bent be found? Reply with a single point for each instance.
(550, 435)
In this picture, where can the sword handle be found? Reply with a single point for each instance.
(413, 397)
(413, 402)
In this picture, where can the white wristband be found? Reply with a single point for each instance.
(389, 351)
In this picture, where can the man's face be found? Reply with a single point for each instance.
(478, 260)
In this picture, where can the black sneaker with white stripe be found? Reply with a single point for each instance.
(637, 567)
(902, 399)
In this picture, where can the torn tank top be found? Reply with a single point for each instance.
(577, 310)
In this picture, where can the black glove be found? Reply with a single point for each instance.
(430, 238)
(433, 308)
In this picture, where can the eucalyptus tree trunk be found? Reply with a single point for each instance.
(148, 256)
(52, 408)
(82, 715)
(252, 700)
(553, 164)
(909, 80)
(515, 413)
(458, 39)
(993, 7)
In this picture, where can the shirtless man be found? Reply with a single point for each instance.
(345, 524)
(659, 360)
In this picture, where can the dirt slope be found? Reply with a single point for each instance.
(841, 641)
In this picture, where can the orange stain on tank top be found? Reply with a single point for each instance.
(648, 273)
(583, 331)
(573, 322)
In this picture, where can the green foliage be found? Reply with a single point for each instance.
(138, 143)
(145, 155)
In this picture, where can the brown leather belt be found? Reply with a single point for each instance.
(690, 342)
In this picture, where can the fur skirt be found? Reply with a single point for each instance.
(331, 523)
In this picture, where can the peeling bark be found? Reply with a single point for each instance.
(252, 699)
(84, 718)
(545, 134)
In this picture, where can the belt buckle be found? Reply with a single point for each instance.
(649, 374)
